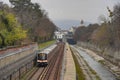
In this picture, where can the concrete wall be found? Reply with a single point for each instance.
(15, 56)
(109, 54)
(113, 56)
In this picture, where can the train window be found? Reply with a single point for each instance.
(42, 56)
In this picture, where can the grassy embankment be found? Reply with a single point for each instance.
(45, 44)
(79, 72)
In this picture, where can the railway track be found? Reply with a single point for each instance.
(52, 70)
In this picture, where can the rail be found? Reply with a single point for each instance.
(53, 69)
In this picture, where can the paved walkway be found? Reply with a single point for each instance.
(70, 71)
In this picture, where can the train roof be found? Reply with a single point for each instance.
(47, 50)
(41, 52)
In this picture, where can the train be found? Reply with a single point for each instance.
(42, 59)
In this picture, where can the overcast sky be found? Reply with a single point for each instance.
(88, 10)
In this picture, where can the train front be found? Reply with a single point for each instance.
(42, 59)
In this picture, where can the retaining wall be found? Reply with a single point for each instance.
(16, 55)
(109, 54)
(15, 64)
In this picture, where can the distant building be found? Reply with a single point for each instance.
(65, 35)
(72, 29)
(59, 35)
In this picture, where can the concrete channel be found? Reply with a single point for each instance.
(101, 71)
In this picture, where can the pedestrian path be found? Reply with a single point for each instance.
(70, 71)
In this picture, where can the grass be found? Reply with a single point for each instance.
(45, 44)
(79, 72)
(102, 62)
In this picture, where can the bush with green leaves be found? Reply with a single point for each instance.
(10, 29)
